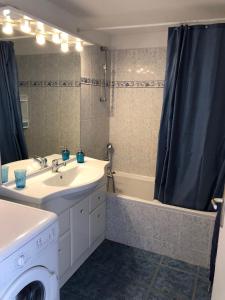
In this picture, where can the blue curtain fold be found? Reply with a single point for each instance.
(191, 148)
(12, 141)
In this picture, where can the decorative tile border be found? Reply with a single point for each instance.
(138, 84)
(50, 83)
(93, 82)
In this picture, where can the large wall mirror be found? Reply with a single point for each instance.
(52, 67)
(49, 84)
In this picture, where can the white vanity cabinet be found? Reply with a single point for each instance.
(81, 227)
(79, 216)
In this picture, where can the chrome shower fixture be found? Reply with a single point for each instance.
(104, 97)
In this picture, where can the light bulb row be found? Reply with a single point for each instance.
(56, 36)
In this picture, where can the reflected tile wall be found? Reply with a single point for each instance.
(135, 112)
(54, 111)
(94, 114)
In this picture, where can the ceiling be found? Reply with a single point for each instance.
(115, 15)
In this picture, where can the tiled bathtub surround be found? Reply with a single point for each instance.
(136, 101)
(174, 232)
(52, 84)
(94, 114)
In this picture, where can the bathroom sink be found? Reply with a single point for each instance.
(76, 176)
(71, 179)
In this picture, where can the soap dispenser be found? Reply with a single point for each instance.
(80, 156)
(65, 153)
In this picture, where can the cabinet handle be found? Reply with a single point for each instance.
(82, 211)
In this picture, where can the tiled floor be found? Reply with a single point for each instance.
(118, 272)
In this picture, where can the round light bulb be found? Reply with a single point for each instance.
(25, 26)
(56, 38)
(79, 46)
(64, 36)
(40, 39)
(40, 26)
(7, 27)
(6, 12)
(64, 47)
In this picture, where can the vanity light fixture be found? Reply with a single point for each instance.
(56, 38)
(79, 46)
(40, 35)
(6, 12)
(40, 39)
(64, 47)
(40, 26)
(11, 21)
(64, 42)
(25, 25)
(7, 26)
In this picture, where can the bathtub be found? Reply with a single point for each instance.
(134, 218)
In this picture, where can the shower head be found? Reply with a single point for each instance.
(110, 147)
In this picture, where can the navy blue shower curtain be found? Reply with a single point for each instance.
(12, 142)
(191, 148)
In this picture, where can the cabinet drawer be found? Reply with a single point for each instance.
(97, 223)
(64, 254)
(64, 222)
(97, 198)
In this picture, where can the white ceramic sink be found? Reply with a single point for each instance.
(70, 179)
(75, 176)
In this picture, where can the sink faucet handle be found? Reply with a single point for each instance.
(56, 165)
(42, 161)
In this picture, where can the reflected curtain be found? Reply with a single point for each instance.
(12, 141)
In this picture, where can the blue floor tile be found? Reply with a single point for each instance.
(178, 264)
(174, 283)
(154, 295)
(118, 272)
(202, 290)
(203, 272)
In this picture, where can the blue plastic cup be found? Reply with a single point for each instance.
(5, 173)
(20, 178)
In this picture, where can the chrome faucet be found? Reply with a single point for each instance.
(56, 165)
(42, 161)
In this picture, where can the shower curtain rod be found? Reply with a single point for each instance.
(165, 24)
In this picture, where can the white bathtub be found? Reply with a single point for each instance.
(133, 185)
(135, 219)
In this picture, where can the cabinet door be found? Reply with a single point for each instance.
(79, 216)
(97, 223)
(64, 253)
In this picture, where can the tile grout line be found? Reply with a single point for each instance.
(154, 277)
(195, 288)
(180, 270)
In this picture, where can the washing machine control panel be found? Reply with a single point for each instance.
(24, 257)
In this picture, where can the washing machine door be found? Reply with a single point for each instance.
(35, 284)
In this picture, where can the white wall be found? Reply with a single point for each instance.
(146, 39)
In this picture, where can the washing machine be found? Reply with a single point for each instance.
(28, 253)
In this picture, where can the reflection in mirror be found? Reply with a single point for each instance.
(47, 62)
(50, 100)
(49, 80)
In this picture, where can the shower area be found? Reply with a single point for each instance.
(121, 111)
(134, 217)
